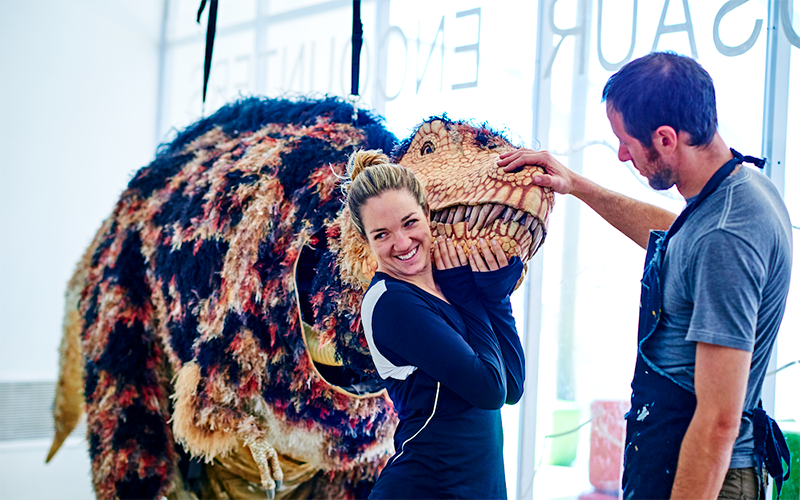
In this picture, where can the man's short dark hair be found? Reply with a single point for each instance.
(663, 88)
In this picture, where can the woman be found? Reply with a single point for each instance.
(443, 340)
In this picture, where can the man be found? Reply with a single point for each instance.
(714, 289)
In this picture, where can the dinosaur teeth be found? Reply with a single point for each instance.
(459, 214)
(494, 214)
(526, 240)
(473, 218)
(484, 213)
(520, 231)
(480, 220)
(538, 237)
(529, 221)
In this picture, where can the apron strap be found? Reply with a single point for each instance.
(758, 162)
(712, 184)
(771, 447)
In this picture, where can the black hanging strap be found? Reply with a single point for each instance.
(210, 32)
(358, 39)
(758, 162)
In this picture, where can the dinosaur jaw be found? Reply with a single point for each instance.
(518, 232)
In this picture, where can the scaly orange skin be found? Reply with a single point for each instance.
(458, 171)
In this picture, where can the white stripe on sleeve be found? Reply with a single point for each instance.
(386, 369)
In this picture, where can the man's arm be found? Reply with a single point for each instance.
(721, 375)
(633, 218)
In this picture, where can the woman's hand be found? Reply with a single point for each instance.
(447, 255)
(486, 258)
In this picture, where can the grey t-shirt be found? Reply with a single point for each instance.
(725, 280)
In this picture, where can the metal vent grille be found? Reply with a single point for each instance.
(26, 411)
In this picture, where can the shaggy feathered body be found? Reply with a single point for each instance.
(197, 265)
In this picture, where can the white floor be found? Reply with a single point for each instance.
(25, 476)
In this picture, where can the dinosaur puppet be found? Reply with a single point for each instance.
(212, 329)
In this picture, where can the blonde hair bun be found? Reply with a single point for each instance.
(362, 159)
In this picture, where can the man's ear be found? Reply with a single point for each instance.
(665, 139)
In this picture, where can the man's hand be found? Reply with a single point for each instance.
(558, 177)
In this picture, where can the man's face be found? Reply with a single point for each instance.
(647, 161)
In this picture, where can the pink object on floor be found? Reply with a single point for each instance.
(607, 445)
(596, 495)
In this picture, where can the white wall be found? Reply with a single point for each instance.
(78, 82)
(78, 89)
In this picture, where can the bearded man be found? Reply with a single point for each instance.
(714, 287)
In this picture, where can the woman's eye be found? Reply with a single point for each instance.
(410, 222)
(427, 148)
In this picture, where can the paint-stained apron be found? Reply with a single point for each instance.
(661, 410)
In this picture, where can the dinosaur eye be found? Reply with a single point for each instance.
(427, 148)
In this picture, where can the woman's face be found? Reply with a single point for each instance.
(398, 233)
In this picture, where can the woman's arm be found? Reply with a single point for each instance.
(493, 278)
(632, 217)
(496, 277)
(406, 328)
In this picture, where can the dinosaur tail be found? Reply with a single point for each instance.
(68, 403)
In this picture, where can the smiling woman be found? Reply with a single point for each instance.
(444, 341)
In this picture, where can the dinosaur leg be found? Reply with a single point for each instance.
(130, 442)
(238, 475)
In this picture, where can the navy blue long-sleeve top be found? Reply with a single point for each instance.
(449, 368)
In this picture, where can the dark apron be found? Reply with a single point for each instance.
(661, 410)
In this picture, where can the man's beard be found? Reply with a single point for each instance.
(662, 176)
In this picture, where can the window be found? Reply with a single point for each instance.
(536, 70)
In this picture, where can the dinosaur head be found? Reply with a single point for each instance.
(470, 197)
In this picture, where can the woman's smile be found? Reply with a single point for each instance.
(409, 255)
